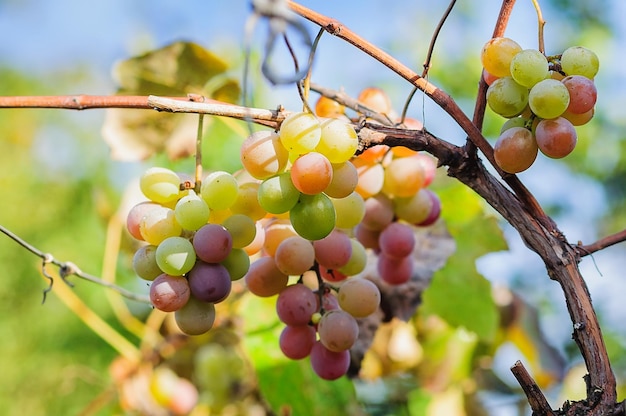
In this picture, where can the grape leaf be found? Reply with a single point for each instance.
(174, 70)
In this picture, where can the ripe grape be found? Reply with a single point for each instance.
(144, 263)
(358, 259)
(497, 54)
(556, 138)
(338, 330)
(313, 217)
(578, 119)
(263, 155)
(580, 61)
(327, 364)
(583, 93)
(196, 317)
(378, 212)
(212, 243)
(506, 97)
(219, 190)
(296, 342)
(338, 141)
(334, 250)
(135, 215)
(435, 210)
(241, 228)
(367, 236)
(209, 282)
(311, 173)
(359, 297)
(344, 181)
(191, 211)
(247, 202)
(375, 99)
(175, 256)
(300, 132)
(237, 263)
(548, 98)
(169, 293)
(397, 240)
(160, 185)
(403, 177)
(264, 279)
(515, 150)
(349, 210)
(371, 177)
(275, 232)
(394, 271)
(528, 67)
(295, 305)
(327, 107)
(158, 224)
(294, 256)
(278, 194)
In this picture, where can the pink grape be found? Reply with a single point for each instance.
(583, 93)
(327, 364)
(334, 250)
(435, 210)
(264, 279)
(135, 215)
(329, 301)
(296, 342)
(397, 240)
(311, 173)
(294, 256)
(169, 293)
(367, 237)
(296, 304)
(338, 330)
(394, 271)
(378, 212)
(209, 282)
(212, 243)
(556, 138)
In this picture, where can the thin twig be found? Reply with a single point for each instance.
(536, 399)
(198, 176)
(585, 250)
(540, 24)
(68, 268)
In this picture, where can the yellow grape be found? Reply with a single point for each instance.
(497, 54)
(300, 132)
(404, 177)
(339, 140)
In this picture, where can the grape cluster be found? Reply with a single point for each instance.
(294, 223)
(544, 97)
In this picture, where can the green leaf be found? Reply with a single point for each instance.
(174, 70)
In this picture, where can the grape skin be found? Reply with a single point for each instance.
(577, 60)
(264, 279)
(262, 154)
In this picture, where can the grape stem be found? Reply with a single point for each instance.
(540, 24)
(198, 176)
(67, 269)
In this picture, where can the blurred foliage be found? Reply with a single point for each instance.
(438, 362)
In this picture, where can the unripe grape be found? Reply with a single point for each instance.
(359, 297)
(528, 67)
(237, 263)
(196, 317)
(506, 97)
(278, 194)
(358, 259)
(313, 217)
(144, 263)
(548, 98)
(349, 210)
(577, 60)
(338, 141)
(191, 211)
(160, 185)
(158, 224)
(327, 107)
(247, 202)
(275, 232)
(403, 177)
(371, 177)
(219, 190)
(175, 256)
(300, 132)
(136, 213)
(413, 209)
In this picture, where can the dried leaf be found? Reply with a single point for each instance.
(174, 70)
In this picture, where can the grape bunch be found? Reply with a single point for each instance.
(295, 223)
(544, 98)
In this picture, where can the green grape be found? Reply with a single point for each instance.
(241, 228)
(247, 202)
(219, 190)
(196, 317)
(191, 211)
(278, 194)
(175, 256)
(237, 263)
(144, 263)
(358, 259)
(548, 98)
(300, 133)
(160, 185)
(313, 217)
(580, 61)
(513, 122)
(529, 67)
(497, 54)
(506, 97)
(349, 210)
(339, 140)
